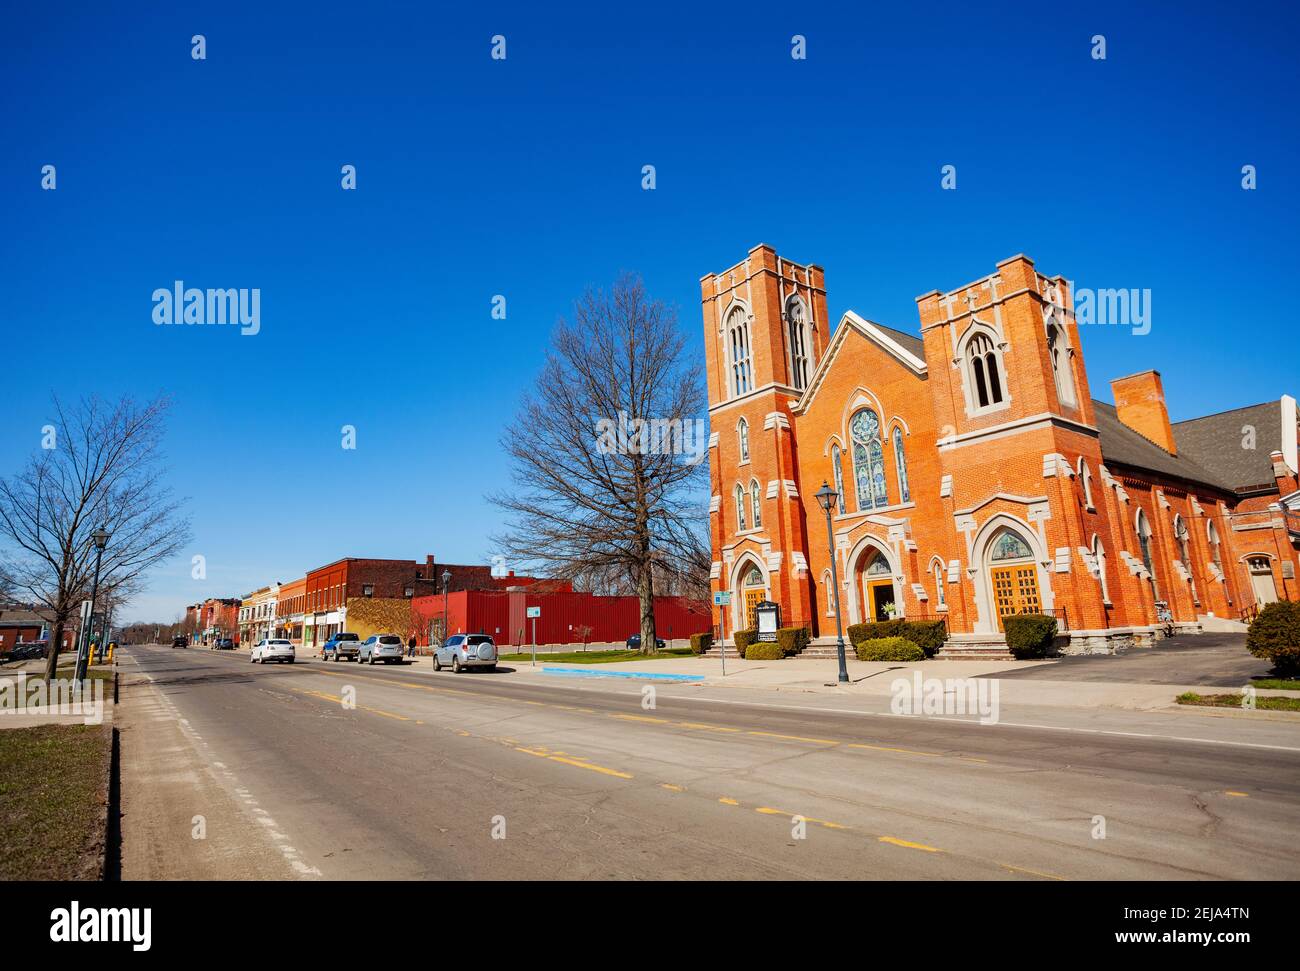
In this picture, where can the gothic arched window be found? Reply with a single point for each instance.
(738, 341)
(984, 371)
(740, 508)
(1060, 356)
(1144, 543)
(868, 460)
(797, 337)
(742, 438)
(900, 460)
(755, 501)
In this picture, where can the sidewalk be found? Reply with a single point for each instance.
(875, 680)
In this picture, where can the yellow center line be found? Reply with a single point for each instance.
(710, 728)
(1036, 873)
(909, 845)
(769, 811)
(640, 718)
(728, 802)
(795, 738)
(1233, 792)
(900, 751)
(670, 787)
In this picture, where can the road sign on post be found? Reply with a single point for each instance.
(722, 600)
(533, 613)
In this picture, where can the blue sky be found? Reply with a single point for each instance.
(523, 178)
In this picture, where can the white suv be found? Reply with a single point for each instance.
(381, 647)
(463, 651)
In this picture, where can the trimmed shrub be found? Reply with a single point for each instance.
(889, 649)
(793, 639)
(928, 635)
(1029, 635)
(764, 651)
(1275, 636)
(742, 640)
(701, 642)
(875, 629)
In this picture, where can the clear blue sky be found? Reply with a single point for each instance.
(523, 178)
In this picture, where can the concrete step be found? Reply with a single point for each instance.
(971, 653)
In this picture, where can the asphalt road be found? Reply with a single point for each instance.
(439, 776)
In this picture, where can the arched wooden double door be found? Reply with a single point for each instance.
(1014, 577)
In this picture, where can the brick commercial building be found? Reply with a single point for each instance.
(213, 619)
(332, 591)
(567, 616)
(290, 606)
(257, 614)
(977, 476)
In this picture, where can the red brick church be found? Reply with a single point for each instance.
(976, 474)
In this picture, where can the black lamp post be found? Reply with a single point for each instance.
(826, 498)
(446, 618)
(100, 539)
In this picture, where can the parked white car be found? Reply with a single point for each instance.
(381, 647)
(272, 649)
(461, 651)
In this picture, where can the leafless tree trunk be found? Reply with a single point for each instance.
(102, 471)
(608, 452)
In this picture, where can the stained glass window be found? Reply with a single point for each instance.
(754, 499)
(742, 433)
(740, 507)
(754, 578)
(798, 343)
(877, 566)
(868, 460)
(1009, 546)
(900, 459)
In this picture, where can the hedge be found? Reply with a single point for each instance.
(1029, 635)
(764, 651)
(793, 639)
(743, 638)
(701, 642)
(889, 649)
(1275, 636)
(928, 635)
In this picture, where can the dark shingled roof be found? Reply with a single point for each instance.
(912, 343)
(1123, 446)
(1215, 442)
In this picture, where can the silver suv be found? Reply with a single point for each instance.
(461, 651)
(381, 647)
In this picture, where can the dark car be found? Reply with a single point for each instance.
(180, 642)
(634, 643)
(225, 644)
(28, 652)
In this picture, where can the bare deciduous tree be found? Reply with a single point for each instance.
(102, 471)
(608, 453)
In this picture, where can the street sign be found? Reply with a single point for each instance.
(534, 611)
(722, 598)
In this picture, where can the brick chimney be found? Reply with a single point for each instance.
(1140, 403)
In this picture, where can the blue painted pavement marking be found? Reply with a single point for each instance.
(585, 673)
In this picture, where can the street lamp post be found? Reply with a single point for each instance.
(826, 497)
(446, 620)
(100, 538)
